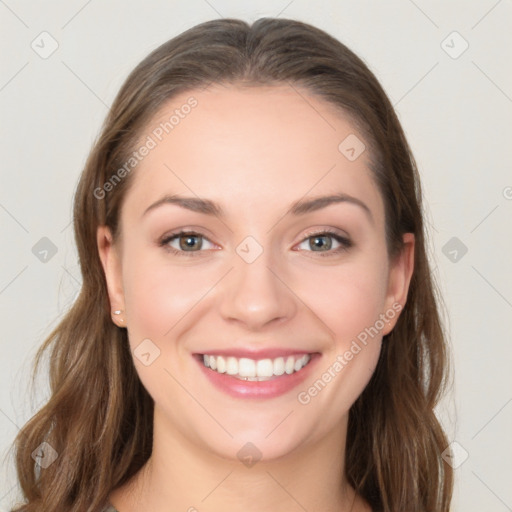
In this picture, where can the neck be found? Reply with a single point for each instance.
(181, 475)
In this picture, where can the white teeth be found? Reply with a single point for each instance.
(221, 364)
(246, 367)
(231, 366)
(265, 368)
(279, 366)
(249, 369)
(290, 363)
(298, 364)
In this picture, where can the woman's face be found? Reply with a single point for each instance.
(257, 280)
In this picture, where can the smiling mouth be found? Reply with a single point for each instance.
(247, 369)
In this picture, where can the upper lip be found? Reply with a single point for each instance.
(269, 353)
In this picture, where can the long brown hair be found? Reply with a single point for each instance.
(99, 417)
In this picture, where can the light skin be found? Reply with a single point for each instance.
(255, 152)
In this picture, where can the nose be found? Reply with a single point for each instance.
(256, 294)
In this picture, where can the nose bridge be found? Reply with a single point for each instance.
(255, 293)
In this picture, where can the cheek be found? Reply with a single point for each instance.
(159, 302)
(348, 299)
(158, 295)
(350, 305)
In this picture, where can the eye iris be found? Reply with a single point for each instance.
(188, 244)
(322, 245)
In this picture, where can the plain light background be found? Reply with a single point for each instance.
(454, 103)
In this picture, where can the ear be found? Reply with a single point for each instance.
(111, 262)
(399, 279)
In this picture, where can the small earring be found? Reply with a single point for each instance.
(117, 319)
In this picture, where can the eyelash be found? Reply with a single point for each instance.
(345, 243)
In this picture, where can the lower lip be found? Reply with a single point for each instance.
(277, 386)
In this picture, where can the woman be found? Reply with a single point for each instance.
(258, 327)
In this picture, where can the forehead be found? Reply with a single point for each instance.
(258, 146)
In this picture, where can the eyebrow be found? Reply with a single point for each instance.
(208, 207)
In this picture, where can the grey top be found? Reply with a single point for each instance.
(109, 508)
